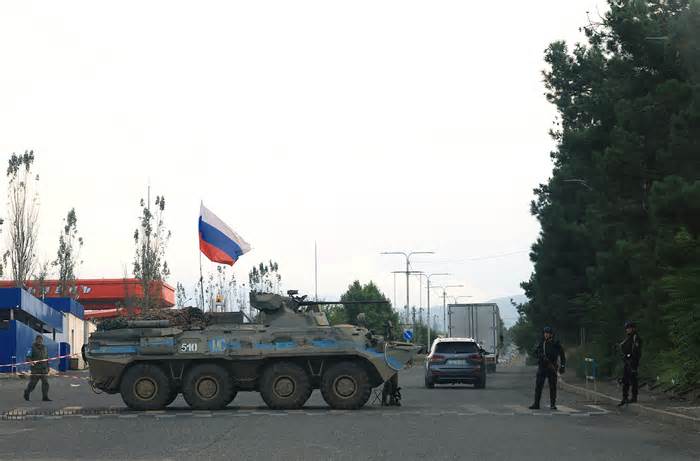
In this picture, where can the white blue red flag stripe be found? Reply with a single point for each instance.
(218, 241)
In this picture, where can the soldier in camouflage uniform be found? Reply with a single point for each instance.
(391, 393)
(631, 349)
(39, 370)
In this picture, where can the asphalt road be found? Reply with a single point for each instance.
(443, 423)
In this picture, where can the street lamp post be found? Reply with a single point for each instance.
(427, 276)
(408, 265)
(419, 273)
(444, 302)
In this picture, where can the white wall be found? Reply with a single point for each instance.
(75, 332)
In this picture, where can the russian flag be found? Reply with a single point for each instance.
(217, 241)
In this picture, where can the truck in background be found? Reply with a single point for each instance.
(481, 321)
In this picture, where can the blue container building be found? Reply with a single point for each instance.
(22, 317)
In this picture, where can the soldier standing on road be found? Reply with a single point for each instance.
(39, 370)
(550, 357)
(631, 349)
(391, 392)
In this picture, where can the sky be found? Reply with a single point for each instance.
(363, 126)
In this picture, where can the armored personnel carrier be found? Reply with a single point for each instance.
(290, 351)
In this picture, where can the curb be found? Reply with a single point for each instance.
(677, 419)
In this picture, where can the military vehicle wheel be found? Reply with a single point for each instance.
(285, 386)
(207, 387)
(145, 387)
(346, 386)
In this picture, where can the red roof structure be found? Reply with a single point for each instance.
(104, 298)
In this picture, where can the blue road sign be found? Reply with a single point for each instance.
(407, 335)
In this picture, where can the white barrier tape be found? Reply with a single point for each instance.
(39, 361)
(26, 374)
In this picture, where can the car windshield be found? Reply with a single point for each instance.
(456, 347)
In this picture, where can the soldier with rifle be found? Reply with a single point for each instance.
(39, 369)
(631, 349)
(550, 358)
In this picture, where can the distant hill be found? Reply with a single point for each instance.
(509, 313)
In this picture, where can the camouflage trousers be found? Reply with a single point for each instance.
(33, 380)
(391, 393)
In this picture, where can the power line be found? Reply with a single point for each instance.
(480, 258)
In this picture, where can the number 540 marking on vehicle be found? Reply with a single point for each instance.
(188, 347)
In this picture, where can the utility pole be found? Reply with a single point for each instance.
(407, 313)
(427, 277)
(407, 255)
(444, 303)
(315, 272)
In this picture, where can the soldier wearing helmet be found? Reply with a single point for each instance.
(550, 358)
(631, 349)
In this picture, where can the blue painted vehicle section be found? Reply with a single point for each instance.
(107, 350)
(217, 345)
(392, 362)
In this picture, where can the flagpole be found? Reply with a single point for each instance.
(201, 276)
(315, 272)
(201, 279)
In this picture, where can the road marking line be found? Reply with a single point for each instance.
(201, 415)
(89, 416)
(71, 408)
(128, 416)
(165, 416)
(565, 409)
(519, 409)
(466, 414)
(601, 410)
(476, 409)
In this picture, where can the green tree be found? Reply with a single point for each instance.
(375, 314)
(23, 219)
(151, 240)
(181, 298)
(619, 216)
(68, 255)
(265, 277)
